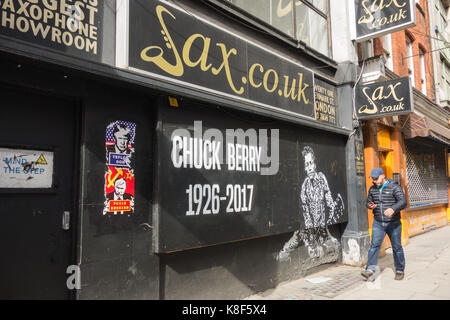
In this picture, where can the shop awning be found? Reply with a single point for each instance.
(419, 125)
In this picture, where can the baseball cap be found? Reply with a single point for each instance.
(376, 172)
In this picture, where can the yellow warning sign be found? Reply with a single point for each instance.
(42, 160)
(173, 102)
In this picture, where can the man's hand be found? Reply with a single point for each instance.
(389, 212)
(372, 205)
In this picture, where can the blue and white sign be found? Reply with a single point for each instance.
(119, 160)
(25, 168)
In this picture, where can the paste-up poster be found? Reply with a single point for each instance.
(119, 176)
(120, 143)
(119, 191)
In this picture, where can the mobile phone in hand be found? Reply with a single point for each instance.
(371, 204)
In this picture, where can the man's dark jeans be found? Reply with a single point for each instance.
(379, 230)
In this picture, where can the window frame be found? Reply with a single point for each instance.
(387, 48)
(423, 73)
(445, 78)
(323, 15)
(410, 60)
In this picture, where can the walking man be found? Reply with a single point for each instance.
(385, 199)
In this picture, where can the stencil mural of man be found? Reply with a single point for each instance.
(315, 199)
(316, 195)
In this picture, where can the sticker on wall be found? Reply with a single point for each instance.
(119, 143)
(25, 168)
(119, 191)
(119, 176)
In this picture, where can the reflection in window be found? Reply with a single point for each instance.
(261, 10)
(277, 13)
(283, 16)
(322, 5)
(310, 24)
(302, 16)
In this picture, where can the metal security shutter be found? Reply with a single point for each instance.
(427, 180)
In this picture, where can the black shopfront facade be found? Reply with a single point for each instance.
(184, 163)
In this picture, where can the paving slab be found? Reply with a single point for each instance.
(413, 285)
(442, 291)
(423, 296)
(427, 276)
(384, 294)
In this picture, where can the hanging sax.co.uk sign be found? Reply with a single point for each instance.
(373, 18)
(184, 49)
(382, 99)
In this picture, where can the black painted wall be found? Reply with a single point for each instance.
(116, 257)
(116, 260)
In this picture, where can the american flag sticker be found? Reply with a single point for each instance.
(119, 143)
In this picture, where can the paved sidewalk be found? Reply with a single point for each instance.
(427, 276)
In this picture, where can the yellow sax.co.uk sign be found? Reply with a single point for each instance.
(382, 99)
(376, 17)
(166, 41)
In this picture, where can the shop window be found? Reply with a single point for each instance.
(301, 20)
(426, 172)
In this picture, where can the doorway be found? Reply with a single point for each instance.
(38, 151)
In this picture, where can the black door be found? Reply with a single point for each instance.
(35, 249)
